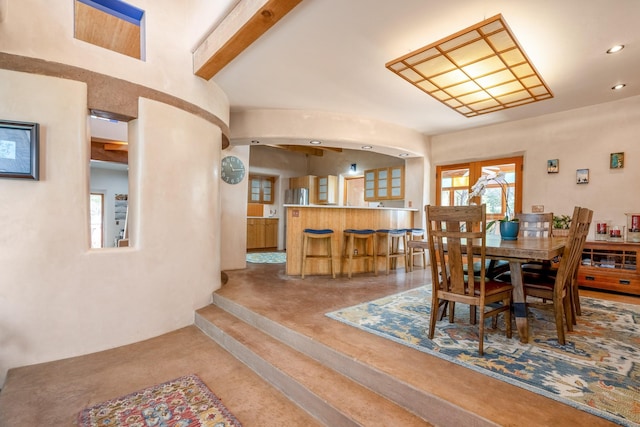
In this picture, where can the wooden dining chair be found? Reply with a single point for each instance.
(560, 288)
(451, 231)
(536, 224)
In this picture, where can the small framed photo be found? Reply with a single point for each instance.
(19, 150)
(553, 166)
(582, 176)
(616, 161)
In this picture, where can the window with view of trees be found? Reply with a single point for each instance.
(453, 184)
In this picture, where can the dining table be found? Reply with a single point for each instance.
(517, 252)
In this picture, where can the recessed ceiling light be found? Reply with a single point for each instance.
(618, 86)
(616, 48)
(314, 142)
(367, 147)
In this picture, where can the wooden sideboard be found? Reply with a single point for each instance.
(611, 266)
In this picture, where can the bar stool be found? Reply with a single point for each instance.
(416, 235)
(327, 235)
(351, 238)
(392, 252)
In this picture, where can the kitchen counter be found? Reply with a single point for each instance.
(352, 207)
(337, 218)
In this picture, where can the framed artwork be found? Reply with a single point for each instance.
(582, 176)
(616, 161)
(553, 166)
(19, 150)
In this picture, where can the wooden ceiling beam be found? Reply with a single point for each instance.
(99, 153)
(245, 24)
(116, 147)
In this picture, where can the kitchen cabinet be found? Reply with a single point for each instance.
(327, 190)
(384, 184)
(262, 233)
(261, 189)
(611, 266)
(309, 182)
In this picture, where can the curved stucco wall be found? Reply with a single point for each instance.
(59, 298)
(350, 131)
(44, 29)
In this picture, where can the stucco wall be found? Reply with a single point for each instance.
(44, 29)
(58, 298)
(580, 139)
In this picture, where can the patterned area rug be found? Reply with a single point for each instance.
(267, 257)
(597, 371)
(182, 402)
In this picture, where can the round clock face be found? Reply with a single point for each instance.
(232, 170)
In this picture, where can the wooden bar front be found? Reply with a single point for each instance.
(336, 218)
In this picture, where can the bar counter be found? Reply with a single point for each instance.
(337, 218)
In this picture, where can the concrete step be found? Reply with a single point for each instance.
(329, 396)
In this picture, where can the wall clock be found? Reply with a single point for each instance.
(232, 170)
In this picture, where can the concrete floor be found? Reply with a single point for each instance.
(52, 394)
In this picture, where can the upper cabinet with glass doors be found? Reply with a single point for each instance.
(384, 184)
(261, 189)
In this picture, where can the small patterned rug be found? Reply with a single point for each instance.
(267, 257)
(182, 402)
(597, 371)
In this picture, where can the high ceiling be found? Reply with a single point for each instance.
(330, 55)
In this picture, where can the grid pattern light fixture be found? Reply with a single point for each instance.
(478, 70)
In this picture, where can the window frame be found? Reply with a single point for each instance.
(475, 171)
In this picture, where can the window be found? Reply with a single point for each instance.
(109, 177)
(97, 219)
(454, 182)
(112, 24)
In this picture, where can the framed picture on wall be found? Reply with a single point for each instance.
(19, 145)
(582, 176)
(616, 161)
(553, 166)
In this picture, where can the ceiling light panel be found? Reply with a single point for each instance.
(478, 70)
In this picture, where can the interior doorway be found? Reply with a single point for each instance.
(354, 191)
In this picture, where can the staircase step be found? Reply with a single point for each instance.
(426, 405)
(329, 396)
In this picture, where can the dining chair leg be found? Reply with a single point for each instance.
(575, 299)
(481, 330)
(442, 309)
(434, 314)
(558, 305)
(568, 312)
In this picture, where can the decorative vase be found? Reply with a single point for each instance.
(509, 230)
